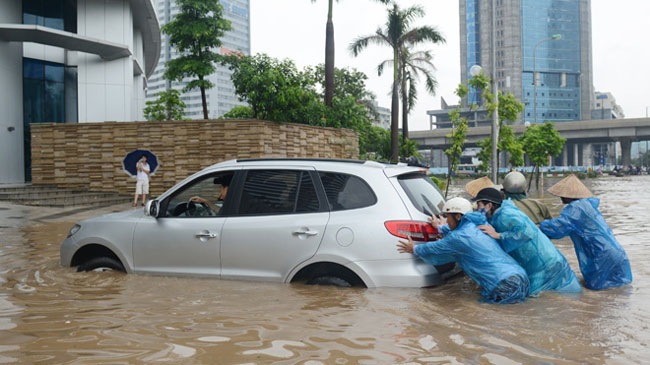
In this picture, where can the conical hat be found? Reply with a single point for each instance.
(474, 186)
(570, 187)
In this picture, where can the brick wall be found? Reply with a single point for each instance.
(89, 155)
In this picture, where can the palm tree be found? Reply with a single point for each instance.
(400, 37)
(329, 52)
(411, 65)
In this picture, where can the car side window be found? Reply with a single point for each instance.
(278, 192)
(346, 191)
(207, 187)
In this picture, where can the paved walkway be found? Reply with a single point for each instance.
(14, 216)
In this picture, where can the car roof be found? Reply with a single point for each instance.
(319, 163)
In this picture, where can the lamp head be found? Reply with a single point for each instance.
(475, 70)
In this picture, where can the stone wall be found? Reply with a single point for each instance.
(89, 155)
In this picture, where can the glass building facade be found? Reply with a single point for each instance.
(538, 50)
(473, 29)
(49, 88)
(551, 51)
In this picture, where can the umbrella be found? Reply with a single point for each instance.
(131, 159)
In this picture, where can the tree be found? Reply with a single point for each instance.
(195, 32)
(329, 52)
(412, 64)
(541, 141)
(457, 136)
(168, 106)
(509, 109)
(400, 37)
(275, 90)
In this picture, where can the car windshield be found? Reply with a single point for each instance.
(422, 192)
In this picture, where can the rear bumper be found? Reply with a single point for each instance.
(407, 273)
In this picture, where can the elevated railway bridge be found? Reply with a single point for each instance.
(581, 136)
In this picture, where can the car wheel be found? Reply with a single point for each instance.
(102, 264)
(329, 280)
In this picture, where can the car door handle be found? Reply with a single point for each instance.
(206, 235)
(306, 232)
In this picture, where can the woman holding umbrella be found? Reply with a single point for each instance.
(142, 180)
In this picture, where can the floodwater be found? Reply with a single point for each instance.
(54, 315)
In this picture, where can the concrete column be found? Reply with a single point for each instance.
(626, 151)
(564, 156)
(587, 151)
(574, 150)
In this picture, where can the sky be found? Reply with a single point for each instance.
(295, 29)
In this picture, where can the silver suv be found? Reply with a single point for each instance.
(315, 221)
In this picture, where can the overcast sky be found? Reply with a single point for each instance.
(295, 29)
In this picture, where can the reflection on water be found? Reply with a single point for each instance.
(50, 314)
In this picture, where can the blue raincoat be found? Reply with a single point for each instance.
(502, 280)
(603, 262)
(545, 265)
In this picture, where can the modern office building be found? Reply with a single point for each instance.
(222, 97)
(538, 50)
(70, 61)
(518, 41)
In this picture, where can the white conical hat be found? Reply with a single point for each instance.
(570, 187)
(474, 186)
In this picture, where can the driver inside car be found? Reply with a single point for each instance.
(225, 182)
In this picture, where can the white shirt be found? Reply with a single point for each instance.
(143, 173)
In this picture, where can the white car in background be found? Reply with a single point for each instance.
(316, 221)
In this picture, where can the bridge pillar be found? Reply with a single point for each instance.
(626, 151)
(587, 153)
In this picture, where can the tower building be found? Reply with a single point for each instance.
(221, 98)
(538, 50)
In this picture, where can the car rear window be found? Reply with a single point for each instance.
(346, 191)
(423, 193)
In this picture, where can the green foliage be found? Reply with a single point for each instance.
(275, 90)
(168, 106)
(541, 141)
(347, 82)
(509, 143)
(509, 110)
(485, 154)
(278, 91)
(195, 33)
(374, 144)
(459, 132)
(442, 185)
(239, 112)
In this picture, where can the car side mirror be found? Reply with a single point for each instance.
(152, 208)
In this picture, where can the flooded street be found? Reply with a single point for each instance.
(53, 315)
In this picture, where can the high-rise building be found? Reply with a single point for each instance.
(518, 41)
(221, 98)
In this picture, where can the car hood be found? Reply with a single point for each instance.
(132, 215)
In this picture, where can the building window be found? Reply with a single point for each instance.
(49, 96)
(56, 14)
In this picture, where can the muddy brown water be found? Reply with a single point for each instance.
(54, 315)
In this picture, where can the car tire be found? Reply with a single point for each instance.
(329, 280)
(101, 264)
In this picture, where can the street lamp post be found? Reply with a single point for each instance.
(552, 38)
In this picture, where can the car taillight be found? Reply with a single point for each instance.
(418, 231)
